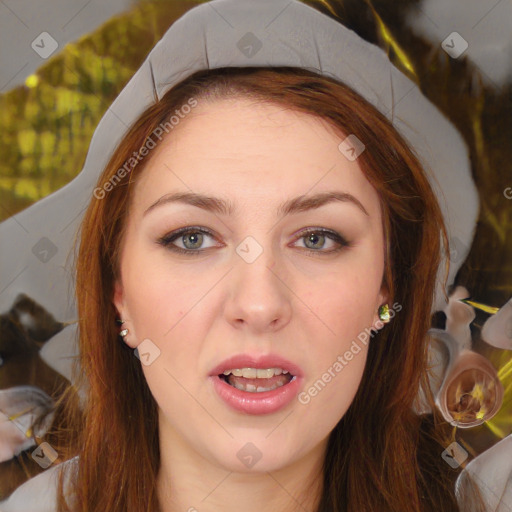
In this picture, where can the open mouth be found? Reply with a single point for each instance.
(259, 383)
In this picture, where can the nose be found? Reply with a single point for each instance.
(259, 297)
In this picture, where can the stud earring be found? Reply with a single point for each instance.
(124, 332)
(384, 315)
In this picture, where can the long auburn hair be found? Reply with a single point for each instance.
(381, 456)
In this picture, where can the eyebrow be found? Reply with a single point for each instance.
(291, 206)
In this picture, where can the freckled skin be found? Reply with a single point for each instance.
(200, 310)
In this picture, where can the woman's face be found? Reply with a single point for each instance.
(260, 280)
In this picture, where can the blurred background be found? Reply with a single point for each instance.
(62, 63)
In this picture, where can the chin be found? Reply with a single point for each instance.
(256, 454)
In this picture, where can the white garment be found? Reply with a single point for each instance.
(39, 494)
(491, 471)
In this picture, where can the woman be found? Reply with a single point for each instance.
(255, 138)
(265, 219)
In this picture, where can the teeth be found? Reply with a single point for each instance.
(256, 389)
(256, 373)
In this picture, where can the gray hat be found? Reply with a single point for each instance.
(238, 33)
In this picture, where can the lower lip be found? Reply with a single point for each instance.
(265, 402)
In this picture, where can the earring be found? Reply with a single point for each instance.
(124, 332)
(384, 315)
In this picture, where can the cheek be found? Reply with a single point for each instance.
(344, 302)
(157, 295)
(344, 311)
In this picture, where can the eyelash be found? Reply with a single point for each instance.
(166, 241)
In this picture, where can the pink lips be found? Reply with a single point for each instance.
(265, 402)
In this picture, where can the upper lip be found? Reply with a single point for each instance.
(255, 361)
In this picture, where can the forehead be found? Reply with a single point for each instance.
(246, 149)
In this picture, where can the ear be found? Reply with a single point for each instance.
(118, 300)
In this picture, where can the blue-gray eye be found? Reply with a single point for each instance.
(313, 237)
(192, 239)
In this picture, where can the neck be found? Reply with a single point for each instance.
(189, 482)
